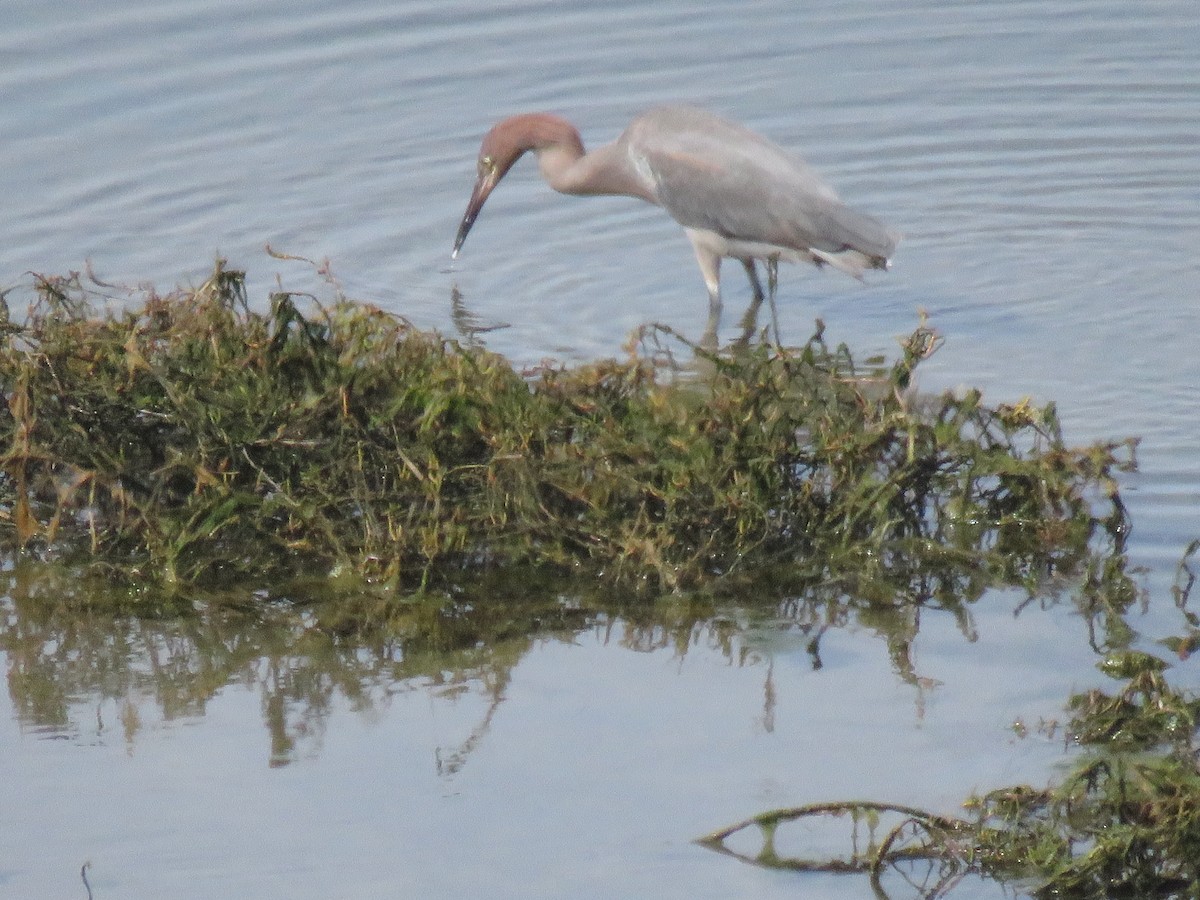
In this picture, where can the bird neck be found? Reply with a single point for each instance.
(606, 170)
(562, 160)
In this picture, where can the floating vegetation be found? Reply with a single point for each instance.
(188, 439)
(1123, 822)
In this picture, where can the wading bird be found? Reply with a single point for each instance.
(735, 193)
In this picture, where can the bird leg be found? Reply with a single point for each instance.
(710, 270)
(772, 287)
(750, 318)
(755, 284)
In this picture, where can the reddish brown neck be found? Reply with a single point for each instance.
(532, 131)
(561, 157)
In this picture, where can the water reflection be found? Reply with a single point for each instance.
(71, 656)
(472, 326)
(469, 324)
(80, 653)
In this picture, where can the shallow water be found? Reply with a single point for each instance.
(262, 756)
(1040, 158)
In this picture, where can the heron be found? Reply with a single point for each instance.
(735, 193)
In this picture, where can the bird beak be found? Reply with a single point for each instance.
(483, 188)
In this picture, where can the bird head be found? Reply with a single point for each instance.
(496, 156)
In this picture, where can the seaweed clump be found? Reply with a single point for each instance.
(187, 438)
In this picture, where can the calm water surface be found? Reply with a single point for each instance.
(1042, 160)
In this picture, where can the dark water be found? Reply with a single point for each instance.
(1041, 159)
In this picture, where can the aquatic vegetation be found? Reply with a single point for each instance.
(178, 444)
(1124, 820)
(189, 439)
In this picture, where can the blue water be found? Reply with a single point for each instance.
(1041, 159)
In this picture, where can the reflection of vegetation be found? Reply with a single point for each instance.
(191, 440)
(74, 644)
(1124, 821)
(66, 647)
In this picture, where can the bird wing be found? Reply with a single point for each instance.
(714, 174)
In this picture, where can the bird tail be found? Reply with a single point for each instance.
(859, 242)
(852, 262)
